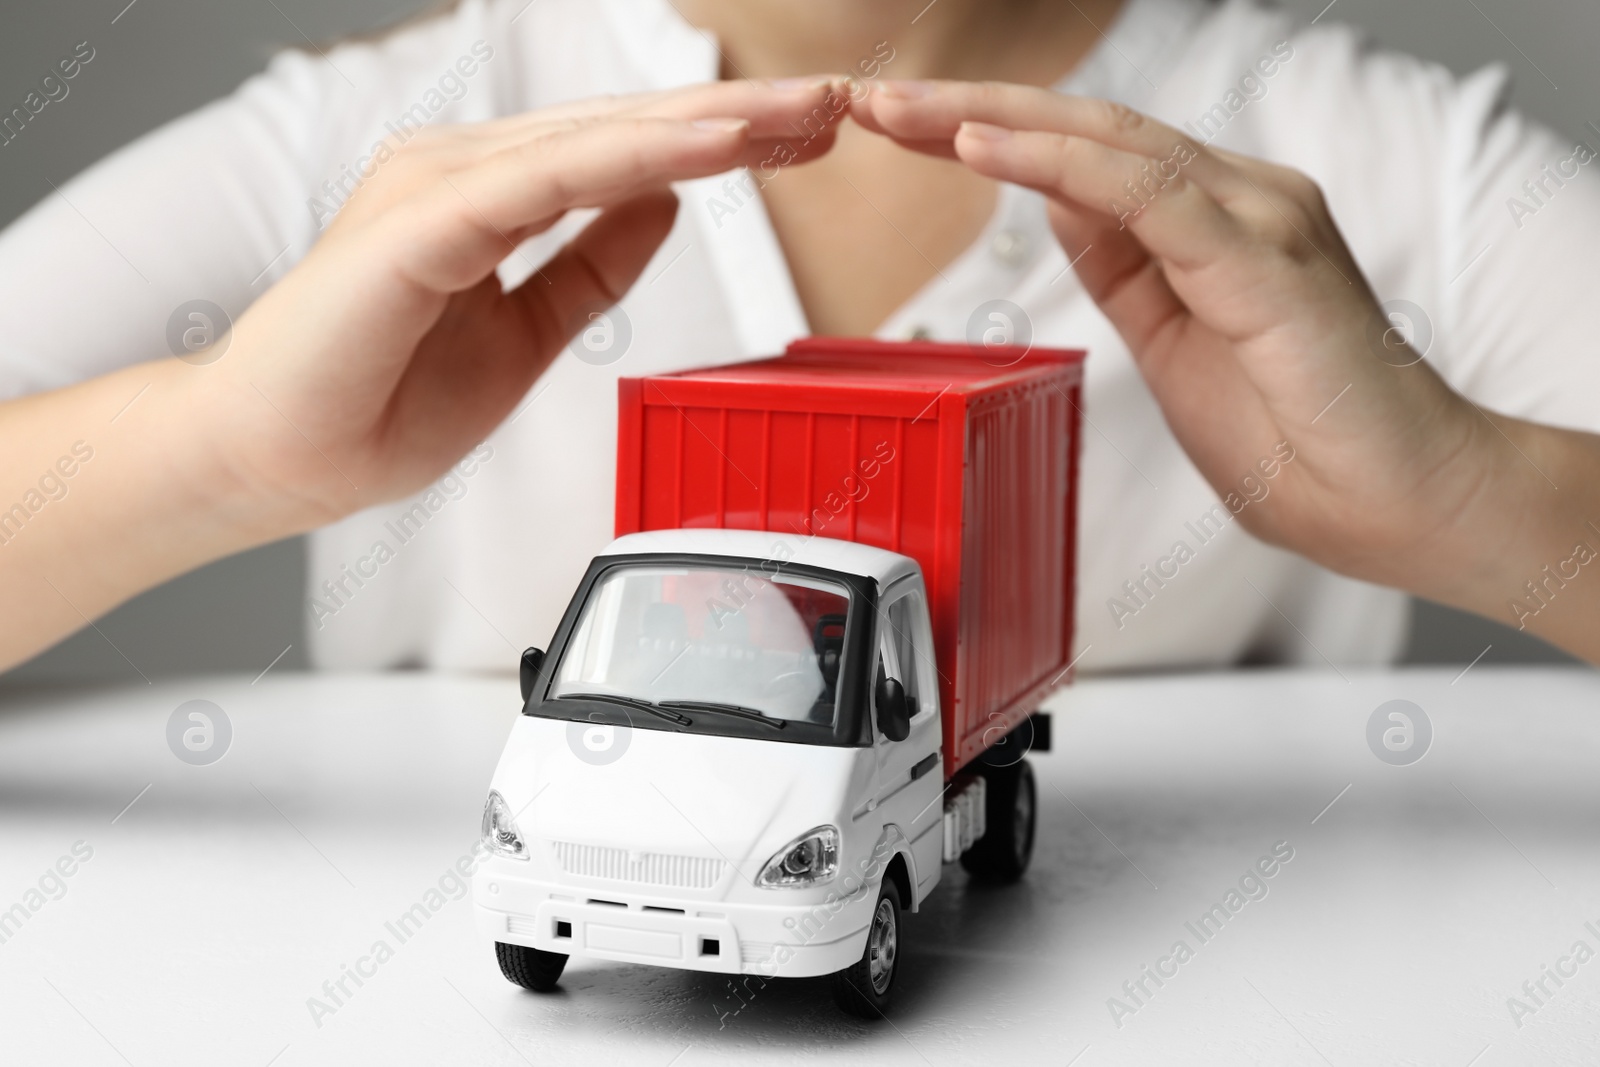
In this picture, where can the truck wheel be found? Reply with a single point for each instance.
(530, 968)
(863, 988)
(1002, 854)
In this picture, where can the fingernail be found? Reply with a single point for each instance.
(905, 90)
(721, 125)
(985, 132)
(808, 81)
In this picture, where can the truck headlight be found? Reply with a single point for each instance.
(811, 858)
(500, 834)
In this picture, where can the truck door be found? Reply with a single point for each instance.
(910, 773)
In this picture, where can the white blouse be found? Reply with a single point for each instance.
(1486, 225)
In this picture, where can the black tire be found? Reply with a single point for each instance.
(530, 968)
(1002, 855)
(864, 988)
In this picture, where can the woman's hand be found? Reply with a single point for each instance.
(377, 361)
(391, 349)
(1252, 325)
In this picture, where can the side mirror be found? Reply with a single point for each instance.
(894, 718)
(532, 663)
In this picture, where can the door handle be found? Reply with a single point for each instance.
(924, 765)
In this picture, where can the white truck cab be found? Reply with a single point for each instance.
(729, 760)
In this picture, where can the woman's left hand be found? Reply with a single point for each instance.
(1252, 325)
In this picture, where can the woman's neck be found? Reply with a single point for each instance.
(1027, 41)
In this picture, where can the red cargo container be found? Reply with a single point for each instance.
(930, 450)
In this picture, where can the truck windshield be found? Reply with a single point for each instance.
(710, 635)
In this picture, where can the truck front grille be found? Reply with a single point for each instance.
(645, 868)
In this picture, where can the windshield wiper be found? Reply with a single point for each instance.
(630, 702)
(728, 709)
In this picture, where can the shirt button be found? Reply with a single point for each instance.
(1011, 248)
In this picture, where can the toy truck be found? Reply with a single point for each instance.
(803, 677)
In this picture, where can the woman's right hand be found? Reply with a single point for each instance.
(376, 362)
(390, 349)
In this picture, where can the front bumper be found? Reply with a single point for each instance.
(639, 925)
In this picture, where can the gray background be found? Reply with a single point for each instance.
(165, 57)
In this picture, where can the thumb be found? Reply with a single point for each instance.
(1119, 275)
(594, 271)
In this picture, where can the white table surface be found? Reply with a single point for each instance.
(219, 902)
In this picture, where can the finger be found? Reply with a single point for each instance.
(1120, 276)
(1176, 219)
(791, 122)
(450, 235)
(795, 120)
(398, 270)
(863, 113)
(770, 151)
(594, 270)
(773, 109)
(1132, 291)
(934, 111)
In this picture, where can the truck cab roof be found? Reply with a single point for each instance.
(847, 557)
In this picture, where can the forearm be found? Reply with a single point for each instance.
(1526, 552)
(108, 488)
